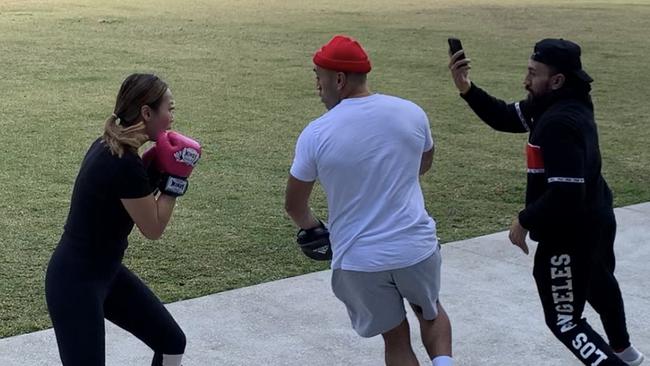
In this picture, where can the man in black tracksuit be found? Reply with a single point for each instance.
(568, 203)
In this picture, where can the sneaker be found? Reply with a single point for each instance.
(631, 356)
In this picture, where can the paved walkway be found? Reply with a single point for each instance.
(487, 289)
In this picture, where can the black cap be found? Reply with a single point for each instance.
(562, 54)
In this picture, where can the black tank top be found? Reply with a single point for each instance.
(97, 220)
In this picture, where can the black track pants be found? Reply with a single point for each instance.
(82, 289)
(576, 270)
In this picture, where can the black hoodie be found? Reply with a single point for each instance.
(566, 193)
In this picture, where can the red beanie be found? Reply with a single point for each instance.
(344, 54)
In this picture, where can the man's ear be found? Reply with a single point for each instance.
(341, 80)
(557, 81)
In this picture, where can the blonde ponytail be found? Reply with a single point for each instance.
(119, 138)
(121, 132)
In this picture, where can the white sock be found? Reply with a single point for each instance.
(630, 354)
(442, 361)
(172, 360)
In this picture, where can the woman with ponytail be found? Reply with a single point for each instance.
(86, 281)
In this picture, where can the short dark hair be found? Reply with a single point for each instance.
(571, 81)
(356, 77)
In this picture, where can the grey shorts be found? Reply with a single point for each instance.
(374, 300)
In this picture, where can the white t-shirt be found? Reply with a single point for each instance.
(366, 153)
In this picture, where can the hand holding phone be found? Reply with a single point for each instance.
(459, 70)
(455, 46)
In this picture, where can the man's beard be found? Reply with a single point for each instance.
(538, 102)
(536, 98)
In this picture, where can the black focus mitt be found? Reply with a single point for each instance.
(315, 242)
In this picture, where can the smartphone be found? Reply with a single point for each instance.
(455, 46)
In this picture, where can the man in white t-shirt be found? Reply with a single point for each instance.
(367, 152)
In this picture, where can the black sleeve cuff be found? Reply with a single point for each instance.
(525, 219)
(470, 93)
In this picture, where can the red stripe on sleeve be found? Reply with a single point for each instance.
(534, 157)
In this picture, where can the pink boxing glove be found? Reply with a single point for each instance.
(175, 156)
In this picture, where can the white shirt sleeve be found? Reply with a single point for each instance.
(428, 139)
(304, 162)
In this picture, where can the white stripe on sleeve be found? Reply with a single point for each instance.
(521, 117)
(566, 180)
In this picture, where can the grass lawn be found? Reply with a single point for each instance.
(241, 75)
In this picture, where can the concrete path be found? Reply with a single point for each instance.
(487, 288)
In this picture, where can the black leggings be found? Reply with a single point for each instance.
(84, 288)
(571, 272)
